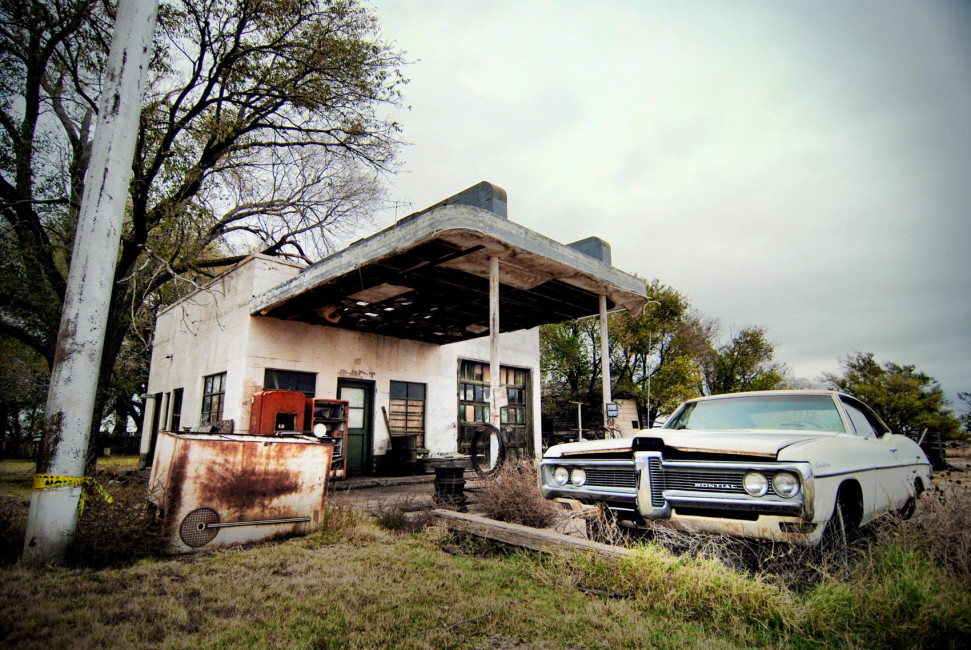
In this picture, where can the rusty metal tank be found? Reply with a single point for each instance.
(221, 490)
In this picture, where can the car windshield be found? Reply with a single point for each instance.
(771, 412)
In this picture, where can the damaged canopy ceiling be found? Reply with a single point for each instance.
(427, 278)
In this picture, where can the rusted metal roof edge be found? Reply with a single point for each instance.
(429, 225)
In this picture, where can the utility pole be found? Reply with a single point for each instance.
(53, 517)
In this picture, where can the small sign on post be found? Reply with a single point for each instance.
(613, 410)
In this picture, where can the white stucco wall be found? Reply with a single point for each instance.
(212, 332)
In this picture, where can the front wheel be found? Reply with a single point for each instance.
(842, 526)
(911, 506)
(835, 534)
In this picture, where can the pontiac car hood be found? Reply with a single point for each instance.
(743, 442)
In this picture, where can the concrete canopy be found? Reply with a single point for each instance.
(427, 277)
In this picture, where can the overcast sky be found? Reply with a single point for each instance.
(802, 166)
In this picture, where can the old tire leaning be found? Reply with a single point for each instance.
(481, 440)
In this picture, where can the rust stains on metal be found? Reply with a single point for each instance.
(174, 478)
(68, 332)
(246, 480)
(50, 441)
(234, 487)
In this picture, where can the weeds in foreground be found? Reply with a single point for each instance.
(404, 516)
(13, 523)
(357, 582)
(513, 495)
(122, 532)
(941, 530)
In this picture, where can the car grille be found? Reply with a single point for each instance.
(611, 477)
(657, 482)
(723, 481)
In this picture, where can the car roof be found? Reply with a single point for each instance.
(762, 393)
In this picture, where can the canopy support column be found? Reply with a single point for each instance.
(604, 354)
(494, 385)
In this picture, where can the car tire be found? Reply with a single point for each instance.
(480, 443)
(843, 525)
(911, 506)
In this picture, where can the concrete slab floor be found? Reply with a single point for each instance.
(367, 493)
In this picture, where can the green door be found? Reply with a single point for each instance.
(360, 397)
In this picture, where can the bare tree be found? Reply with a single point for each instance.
(262, 130)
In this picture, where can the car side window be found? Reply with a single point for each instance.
(860, 421)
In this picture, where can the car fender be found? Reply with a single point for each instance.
(835, 461)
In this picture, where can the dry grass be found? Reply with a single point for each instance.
(117, 463)
(513, 495)
(941, 530)
(963, 451)
(364, 580)
(350, 586)
(118, 533)
(403, 516)
(16, 481)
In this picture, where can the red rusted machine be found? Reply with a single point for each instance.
(278, 410)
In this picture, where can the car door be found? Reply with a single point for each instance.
(891, 482)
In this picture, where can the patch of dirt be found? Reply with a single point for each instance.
(958, 470)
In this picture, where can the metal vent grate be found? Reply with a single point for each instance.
(726, 481)
(611, 477)
(195, 531)
(657, 482)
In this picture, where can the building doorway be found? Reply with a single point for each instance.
(360, 423)
(156, 425)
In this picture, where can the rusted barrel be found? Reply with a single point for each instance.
(450, 485)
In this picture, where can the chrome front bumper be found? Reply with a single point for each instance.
(653, 488)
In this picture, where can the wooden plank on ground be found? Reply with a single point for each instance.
(537, 539)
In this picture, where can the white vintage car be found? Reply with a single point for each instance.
(777, 465)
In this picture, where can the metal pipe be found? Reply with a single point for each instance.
(53, 516)
(234, 524)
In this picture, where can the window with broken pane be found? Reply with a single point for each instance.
(406, 412)
(213, 393)
(475, 400)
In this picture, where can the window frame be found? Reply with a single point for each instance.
(473, 392)
(415, 393)
(213, 394)
(291, 376)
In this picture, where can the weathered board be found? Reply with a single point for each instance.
(536, 539)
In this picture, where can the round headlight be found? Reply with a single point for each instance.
(785, 484)
(755, 484)
(578, 476)
(561, 476)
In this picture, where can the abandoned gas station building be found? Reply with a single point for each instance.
(401, 325)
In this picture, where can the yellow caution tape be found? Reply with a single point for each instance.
(44, 481)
